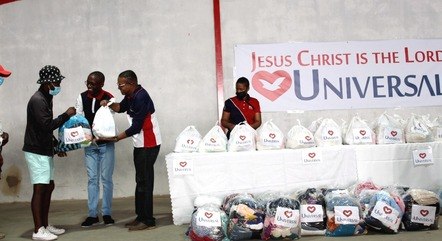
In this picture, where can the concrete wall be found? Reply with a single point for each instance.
(170, 45)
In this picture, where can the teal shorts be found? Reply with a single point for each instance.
(41, 168)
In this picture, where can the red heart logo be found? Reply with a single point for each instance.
(387, 210)
(312, 154)
(393, 133)
(74, 133)
(362, 132)
(208, 215)
(422, 155)
(424, 212)
(330, 132)
(288, 213)
(308, 138)
(212, 140)
(242, 138)
(311, 209)
(190, 142)
(271, 85)
(347, 213)
(271, 135)
(183, 164)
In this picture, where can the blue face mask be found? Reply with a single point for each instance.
(55, 91)
(1, 80)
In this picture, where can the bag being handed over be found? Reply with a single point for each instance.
(104, 123)
(74, 134)
(188, 140)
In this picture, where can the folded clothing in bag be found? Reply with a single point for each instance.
(313, 216)
(282, 220)
(344, 215)
(421, 210)
(384, 213)
(209, 222)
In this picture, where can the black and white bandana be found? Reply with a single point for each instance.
(49, 74)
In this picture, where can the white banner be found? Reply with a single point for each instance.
(342, 75)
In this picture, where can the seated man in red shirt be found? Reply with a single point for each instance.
(241, 108)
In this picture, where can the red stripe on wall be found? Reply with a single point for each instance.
(6, 1)
(218, 56)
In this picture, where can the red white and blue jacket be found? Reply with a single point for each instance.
(143, 122)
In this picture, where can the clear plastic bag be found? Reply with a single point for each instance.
(282, 220)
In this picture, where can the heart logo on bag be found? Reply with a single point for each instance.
(387, 210)
(288, 214)
(362, 132)
(208, 215)
(74, 133)
(190, 142)
(212, 140)
(271, 135)
(311, 209)
(312, 154)
(308, 138)
(183, 164)
(347, 213)
(422, 155)
(330, 132)
(271, 85)
(242, 138)
(424, 212)
(393, 133)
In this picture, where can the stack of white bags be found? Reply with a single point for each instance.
(386, 129)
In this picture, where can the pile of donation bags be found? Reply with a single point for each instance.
(386, 129)
(357, 210)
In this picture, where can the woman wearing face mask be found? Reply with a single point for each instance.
(241, 108)
(39, 149)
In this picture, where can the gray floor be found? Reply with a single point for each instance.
(16, 222)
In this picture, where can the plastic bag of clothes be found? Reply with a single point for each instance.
(421, 210)
(78, 134)
(344, 215)
(209, 221)
(246, 217)
(313, 216)
(384, 213)
(282, 220)
(364, 191)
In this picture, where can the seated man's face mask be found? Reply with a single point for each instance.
(1, 80)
